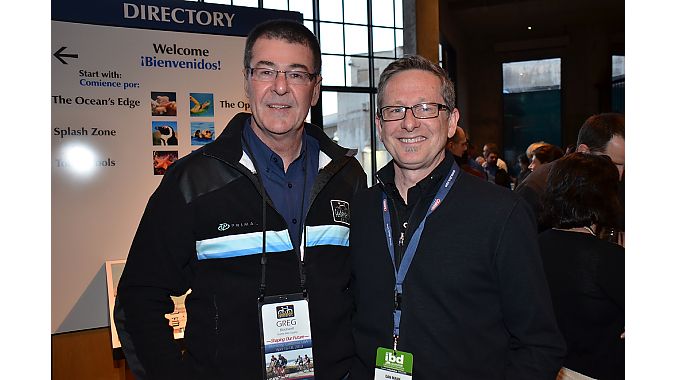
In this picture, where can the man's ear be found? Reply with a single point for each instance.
(246, 84)
(316, 90)
(379, 129)
(453, 119)
(583, 148)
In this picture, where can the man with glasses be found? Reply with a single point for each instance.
(446, 272)
(261, 213)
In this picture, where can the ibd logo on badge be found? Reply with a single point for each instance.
(285, 311)
(394, 359)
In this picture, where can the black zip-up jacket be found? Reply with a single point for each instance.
(475, 301)
(202, 230)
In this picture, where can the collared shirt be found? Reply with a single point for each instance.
(289, 191)
(407, 217)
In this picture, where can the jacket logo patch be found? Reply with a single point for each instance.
(341, 211)
(224, 226)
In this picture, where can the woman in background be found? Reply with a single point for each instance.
(585, 274)
(544, 154)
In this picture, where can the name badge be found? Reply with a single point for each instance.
(286, 337)
(393, 365)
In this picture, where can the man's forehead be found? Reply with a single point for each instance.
(277, 65)
(280, 53)
(400, 87)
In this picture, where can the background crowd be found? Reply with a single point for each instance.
(577, 195)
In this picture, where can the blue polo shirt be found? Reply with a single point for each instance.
(290, 191)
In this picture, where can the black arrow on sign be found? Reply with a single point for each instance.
(58, 55)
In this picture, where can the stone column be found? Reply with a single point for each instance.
(421, 28)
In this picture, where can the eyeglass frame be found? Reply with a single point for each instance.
(311, 76)
(440, 107)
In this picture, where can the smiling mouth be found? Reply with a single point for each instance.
(278, 106)
(412, 140)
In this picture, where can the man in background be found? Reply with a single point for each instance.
(599, 134)
(494, 173)
(493, 148)
(457, 145)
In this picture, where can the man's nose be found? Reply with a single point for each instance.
(410, 122)
(281, 85)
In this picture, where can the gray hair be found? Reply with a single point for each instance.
(286, 30)
(416, 62)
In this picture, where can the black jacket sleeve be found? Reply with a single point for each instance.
(536, 348)
(610, 274)
(157, 268)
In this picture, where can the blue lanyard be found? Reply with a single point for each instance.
(413, 244)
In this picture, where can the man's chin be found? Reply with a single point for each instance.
(275, 126)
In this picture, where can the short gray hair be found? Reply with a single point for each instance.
(285, 30)
(416, 62)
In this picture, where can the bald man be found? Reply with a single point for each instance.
(457, 145)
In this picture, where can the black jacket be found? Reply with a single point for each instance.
(190, 237)
(586, 280)
(475, 303)
(533, 188)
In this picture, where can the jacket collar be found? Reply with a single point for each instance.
(385, 175)
(228, 145)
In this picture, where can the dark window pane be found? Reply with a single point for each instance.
(531, 105)
(544, 74)
(617, 90)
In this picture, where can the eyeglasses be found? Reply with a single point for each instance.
(420, 111)
(270, 75)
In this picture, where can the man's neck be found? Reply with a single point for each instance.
(287, 146)
(405, 179)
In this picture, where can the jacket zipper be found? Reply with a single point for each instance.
(216, 330)
(215, 315)
(338, 163)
